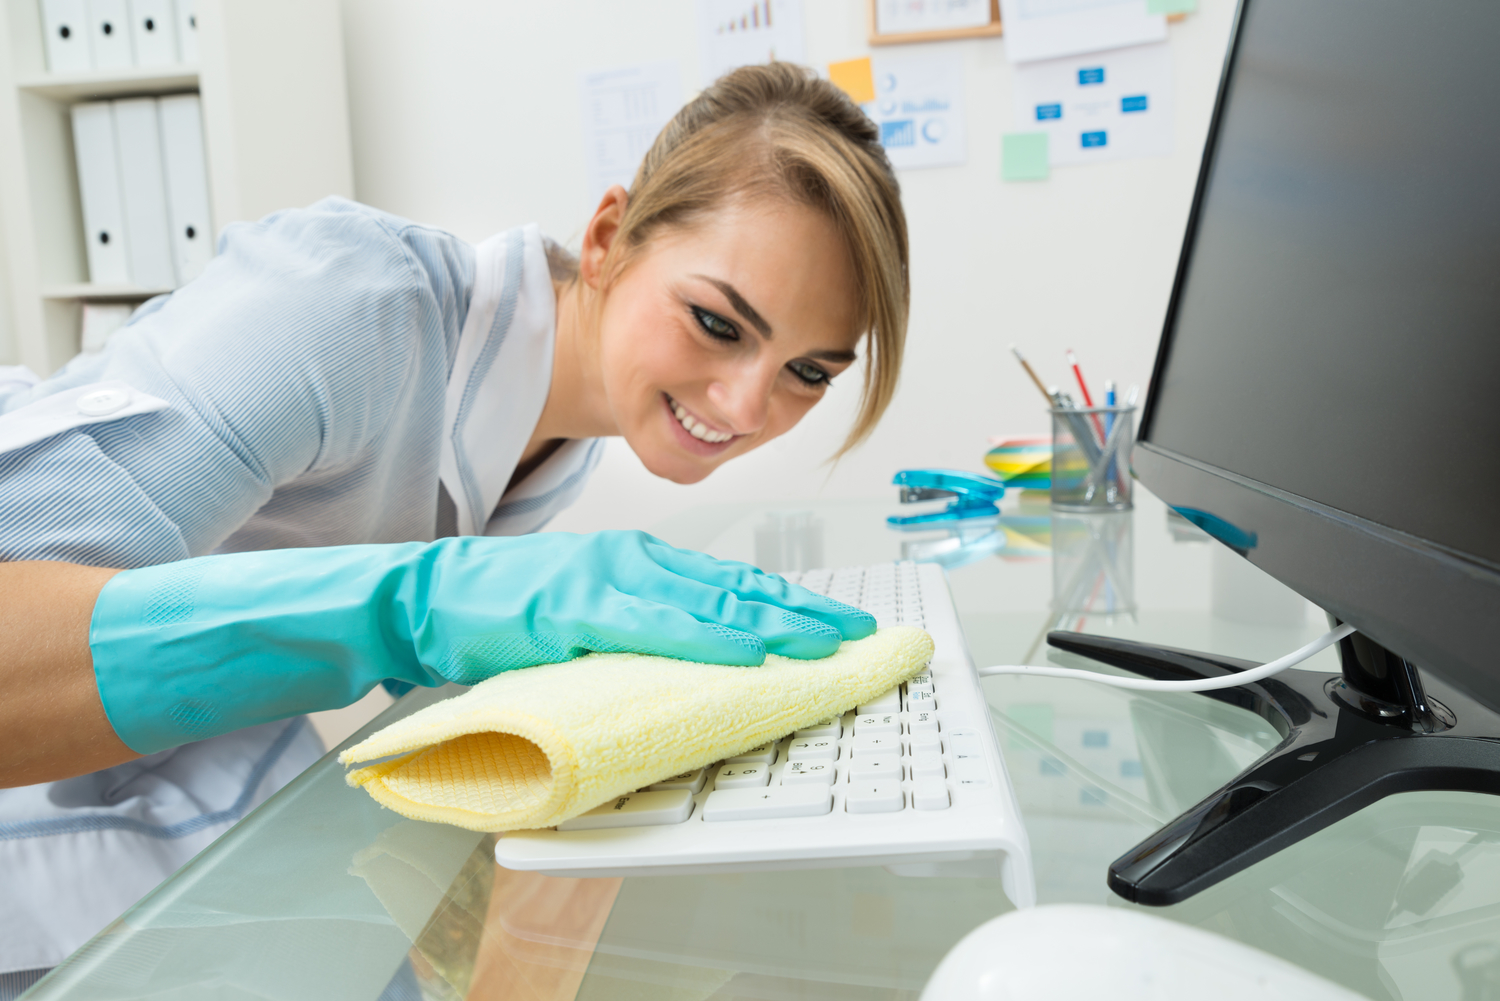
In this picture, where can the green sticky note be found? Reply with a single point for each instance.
(1171, 6)
(1023, 156)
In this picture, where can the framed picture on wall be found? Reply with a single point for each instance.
(893, 22)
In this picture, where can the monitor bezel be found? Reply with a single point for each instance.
(1438, 608)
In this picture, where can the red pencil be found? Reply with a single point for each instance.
(1088, 400)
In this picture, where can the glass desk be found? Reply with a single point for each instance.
(321, 894)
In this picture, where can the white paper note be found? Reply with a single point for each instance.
(1049, 29)
(623, 110)
(1105, 106)
(919, 108)
(894, 17)
(733, 33)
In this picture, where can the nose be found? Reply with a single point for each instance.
(743, 397)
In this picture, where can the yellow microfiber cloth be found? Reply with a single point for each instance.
(535, 747)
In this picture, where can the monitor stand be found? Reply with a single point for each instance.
(1348, 740)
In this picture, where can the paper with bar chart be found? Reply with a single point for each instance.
(623, 110)
(1106, 106)
(734, 33)
(919, 108)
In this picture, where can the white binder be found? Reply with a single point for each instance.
(187, 184)
(109, 33)
(66, 25)
(143, 189)
(99, 186)
(153, 28)
(187, 32)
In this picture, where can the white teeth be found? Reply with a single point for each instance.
(696, 428)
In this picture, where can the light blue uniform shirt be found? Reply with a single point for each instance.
(314, 387)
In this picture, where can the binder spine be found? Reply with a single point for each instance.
(143, 188)
(65, 24)
(187, 184)
(153, 27)
(99, 190)
(109, 23)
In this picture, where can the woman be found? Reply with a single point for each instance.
(339, 378)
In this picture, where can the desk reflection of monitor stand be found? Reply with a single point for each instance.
(1348, 740)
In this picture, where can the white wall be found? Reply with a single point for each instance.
(9, 350)
(465, 114)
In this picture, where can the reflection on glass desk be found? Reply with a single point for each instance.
(320, 894)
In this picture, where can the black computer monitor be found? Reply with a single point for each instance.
(1326, 401)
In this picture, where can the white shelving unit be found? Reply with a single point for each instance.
(276, 131)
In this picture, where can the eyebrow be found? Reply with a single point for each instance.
(740, 305)
(835, 356)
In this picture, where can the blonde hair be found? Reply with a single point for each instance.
(778, 130)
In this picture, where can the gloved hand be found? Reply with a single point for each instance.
(189, 650)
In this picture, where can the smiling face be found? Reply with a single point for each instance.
(720, 336)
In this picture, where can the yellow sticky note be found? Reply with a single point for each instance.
(855, 78)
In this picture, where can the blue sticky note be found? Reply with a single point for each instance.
(1134, 103)
(1090, 75)
(1024, 156)
(1100, 138)
(902, 133)
(1045, 111)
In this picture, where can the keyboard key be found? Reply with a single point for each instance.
(636, 809)
(875, 767)
(890, 702)
(765, 752)
(971, 772)
(927, 766)
(930, 794)
(768, 804)
(691, 781)
(872, 797)
(831, 728)
(743, 776)
(816, 748)
(965, 743)
(921, 702)
(921, 721)
(921, 683)
(871, 743)
(926, 740)
(808, 772)
(882, 723)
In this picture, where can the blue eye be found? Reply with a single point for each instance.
(714, 325)
(809, 373)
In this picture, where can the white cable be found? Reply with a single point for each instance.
(1197, 685)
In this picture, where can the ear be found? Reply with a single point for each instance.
(600, 235)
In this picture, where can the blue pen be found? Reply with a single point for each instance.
(1109, 426)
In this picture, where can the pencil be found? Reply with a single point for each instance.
(1031, 372)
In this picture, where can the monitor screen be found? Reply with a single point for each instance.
(1335, 331)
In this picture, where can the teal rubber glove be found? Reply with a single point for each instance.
(189, 650)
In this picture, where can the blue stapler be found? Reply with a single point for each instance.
(974, 496)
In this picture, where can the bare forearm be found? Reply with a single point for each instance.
(51, 719)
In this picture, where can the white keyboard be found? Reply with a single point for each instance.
(913, 781)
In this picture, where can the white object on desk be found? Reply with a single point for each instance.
(109, 35)
(1083, 952)
(99, 189)
(66, 26)
(880, 789)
